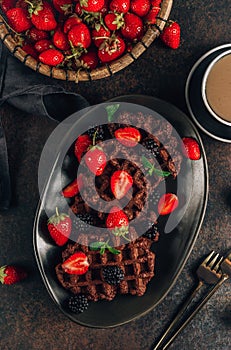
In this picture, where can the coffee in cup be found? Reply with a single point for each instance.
(216, 88)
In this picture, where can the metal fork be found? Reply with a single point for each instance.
(208, 272)
(226, 273)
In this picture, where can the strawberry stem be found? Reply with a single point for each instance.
(57, 211)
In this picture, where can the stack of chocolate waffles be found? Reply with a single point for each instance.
(133, 256)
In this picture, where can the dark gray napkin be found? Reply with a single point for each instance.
(33, 93)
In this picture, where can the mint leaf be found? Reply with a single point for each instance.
(146, 163)
(96, 245)
(113, 250)
(102, 250)
(162, 173)
(151, 169)
(111, 111)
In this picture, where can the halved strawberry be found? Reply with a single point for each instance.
(128, 136)
(76, 264)
(121, 182)
(167, 203)
(81, 145)
(73, 188)
(191, 148)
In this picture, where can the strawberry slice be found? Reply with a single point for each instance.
(76, 264)
(73, 188)
(81, 145)
(167, 203)
(121, 182)
(191, 148)
(128, 136)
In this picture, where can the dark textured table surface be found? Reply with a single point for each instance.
(28, 317)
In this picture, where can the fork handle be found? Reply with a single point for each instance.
(193, 313)
(179, 314)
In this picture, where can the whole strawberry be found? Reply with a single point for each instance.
(92, 5)
(79, 36)
(35, 34)
(114, 21)
(89, 59)
(10, 274)
(117, 222)
(59, 227)
(71, 22)
(133, 27)
(81, 146)
(18, 19)
(111, 49)
(63, 6)
(120, 6)
(95, 160)
(171, 34)
(7, 4)
(140, 7)
(43, 45)
(42, 15)
(99, 35)
(52, 57)
(29, 49)
(60, 39)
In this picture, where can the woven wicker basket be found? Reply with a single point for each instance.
(84, 75)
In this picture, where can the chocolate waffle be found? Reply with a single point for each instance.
(122, 158)
(135, 260)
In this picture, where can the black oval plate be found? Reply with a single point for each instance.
(172, 249)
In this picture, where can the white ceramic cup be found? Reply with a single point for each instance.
(222, 85)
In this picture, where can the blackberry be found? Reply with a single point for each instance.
(82, 221)
(77, 303)
(113, 274)
(152, 147)
(152, 232)
(97, 132)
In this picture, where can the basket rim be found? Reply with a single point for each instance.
(101, 72)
